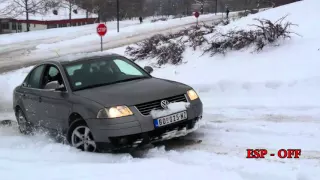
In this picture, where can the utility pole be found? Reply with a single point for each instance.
(118, 18)
(216, 6)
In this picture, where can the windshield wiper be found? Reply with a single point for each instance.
(131, 79)
(93, 86)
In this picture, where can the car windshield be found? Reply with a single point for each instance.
(102, 71)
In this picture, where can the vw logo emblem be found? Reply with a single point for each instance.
(164, 104)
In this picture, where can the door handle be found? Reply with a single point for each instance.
(40, 99)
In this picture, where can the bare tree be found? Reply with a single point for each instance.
(15, 8)
(201, 3)
(70, 5)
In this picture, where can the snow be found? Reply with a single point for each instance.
(52, 43)
(251, 100)
(126, 32)
(172, 108)
(59, 34)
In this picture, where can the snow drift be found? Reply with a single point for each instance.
(285, 74)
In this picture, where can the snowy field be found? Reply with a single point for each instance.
(251, 100)
(30, 45)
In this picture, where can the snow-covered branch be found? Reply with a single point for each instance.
(169, 48)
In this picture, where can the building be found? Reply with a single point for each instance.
(55, 18)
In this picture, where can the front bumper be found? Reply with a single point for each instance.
(138, 129)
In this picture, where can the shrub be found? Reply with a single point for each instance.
(169, 48)
(161, 47)
(265, 33)
(159, 19)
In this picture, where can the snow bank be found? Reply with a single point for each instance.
(58, 34)
(285, 75)
(8, 81)
(127, 32)
(172, 108)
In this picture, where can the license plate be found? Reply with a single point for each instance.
(163, 121)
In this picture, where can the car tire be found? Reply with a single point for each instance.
(25, 126)
(79, 136)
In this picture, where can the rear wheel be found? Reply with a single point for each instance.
(80, 137)
(25, 127)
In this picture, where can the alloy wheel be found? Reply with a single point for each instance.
(82, 138)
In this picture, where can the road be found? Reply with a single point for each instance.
(15, 56)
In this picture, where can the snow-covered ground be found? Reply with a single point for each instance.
(251, 100)
(87, 33)
(35, 46)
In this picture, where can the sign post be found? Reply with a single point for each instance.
(196, 14)
(102, 31)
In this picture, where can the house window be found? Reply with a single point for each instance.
(19, 26)
(62, 25)
(5, 25)
(34, 25)
(14, 26)
(52, 26)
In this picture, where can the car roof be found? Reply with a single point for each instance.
(67, 59)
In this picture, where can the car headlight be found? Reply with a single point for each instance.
(114, 112)
(192, 95)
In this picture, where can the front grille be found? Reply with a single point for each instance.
(146, 108)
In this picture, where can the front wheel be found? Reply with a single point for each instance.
(80, 137)
(25, 127)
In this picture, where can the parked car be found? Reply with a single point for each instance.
(103, 102)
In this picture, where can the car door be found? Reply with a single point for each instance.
(30, 92)
(55, 105)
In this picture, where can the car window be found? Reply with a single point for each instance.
(53, 71)
(127, 68)
(71, 69)
(35, 77)
(51, 74)
(102, 71)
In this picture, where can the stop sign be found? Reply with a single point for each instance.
(102, 29)
(196, 14)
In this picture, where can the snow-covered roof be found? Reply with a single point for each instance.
(63, 12)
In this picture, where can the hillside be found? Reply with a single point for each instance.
(284, 74)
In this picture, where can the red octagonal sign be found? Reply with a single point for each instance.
(196, 14)
(102, 29)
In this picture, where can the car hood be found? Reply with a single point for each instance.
(134, 92)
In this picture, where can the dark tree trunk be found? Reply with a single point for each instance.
(27, 16)
(70, 11)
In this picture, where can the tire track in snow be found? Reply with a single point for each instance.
(210, 142)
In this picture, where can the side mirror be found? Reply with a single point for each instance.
(61, 88)
(55, 86)
(149, 69)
